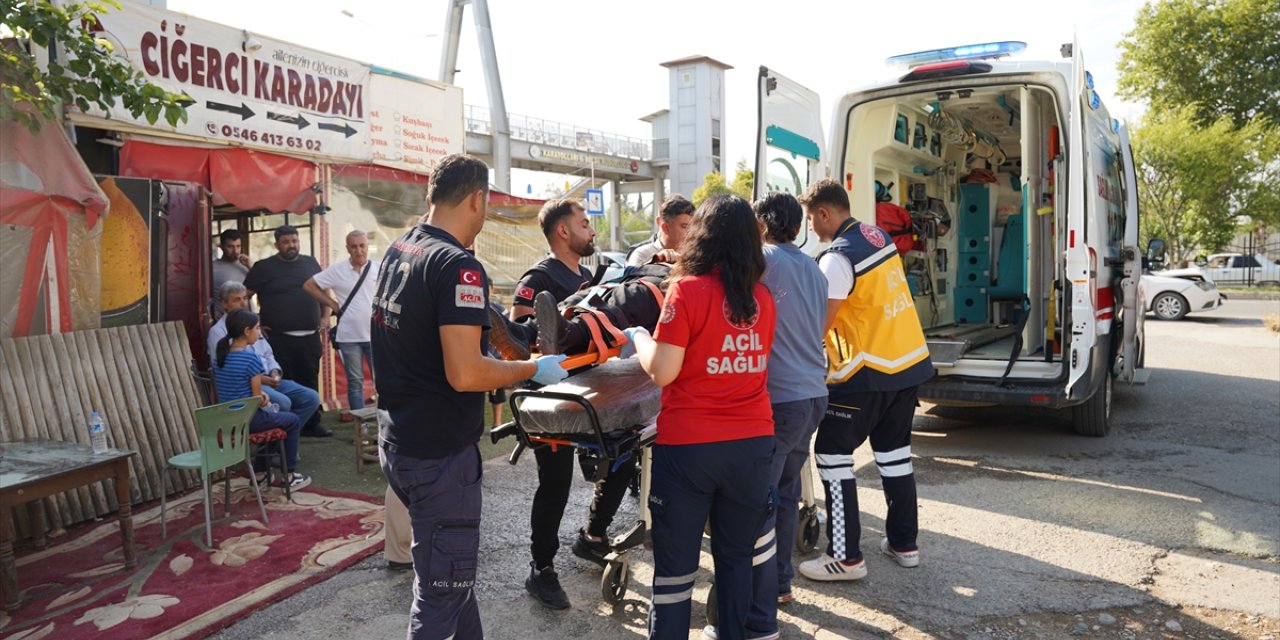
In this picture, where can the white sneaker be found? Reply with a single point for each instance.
(826, 569)
(709, 633)
(906, 559)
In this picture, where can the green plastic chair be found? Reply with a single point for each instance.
(224, 443)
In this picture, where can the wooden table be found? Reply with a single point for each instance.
(37, 469)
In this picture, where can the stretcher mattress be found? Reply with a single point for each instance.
(621, 393)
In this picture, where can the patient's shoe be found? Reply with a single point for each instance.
(552, 327)
(504, 337)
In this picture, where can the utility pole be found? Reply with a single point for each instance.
(498, 124)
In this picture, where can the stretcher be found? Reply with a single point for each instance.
(609, 411)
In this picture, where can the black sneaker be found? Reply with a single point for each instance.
(591, 550)
(504, 338)
(544, 586)
(320, 431)
(552, 326)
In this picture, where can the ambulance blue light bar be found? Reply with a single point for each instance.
(966, 52)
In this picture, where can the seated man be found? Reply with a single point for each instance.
(289, 395)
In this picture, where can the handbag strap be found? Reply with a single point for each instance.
(359, 281)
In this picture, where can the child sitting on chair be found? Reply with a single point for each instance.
(238, 372)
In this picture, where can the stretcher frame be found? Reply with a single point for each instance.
(612, 450)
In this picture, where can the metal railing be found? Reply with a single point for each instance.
(559, 134)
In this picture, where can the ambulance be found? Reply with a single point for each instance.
(1011, 194)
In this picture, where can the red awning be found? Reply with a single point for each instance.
(243, 178)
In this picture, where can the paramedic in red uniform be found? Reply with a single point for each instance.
(431, 316)
(715, 431)
(876, 360)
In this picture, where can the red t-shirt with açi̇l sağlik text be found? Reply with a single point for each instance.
(720, 393)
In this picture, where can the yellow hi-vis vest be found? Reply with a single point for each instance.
(876, 343)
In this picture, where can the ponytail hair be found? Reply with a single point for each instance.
(238, 322)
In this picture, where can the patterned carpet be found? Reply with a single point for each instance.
(78, 588)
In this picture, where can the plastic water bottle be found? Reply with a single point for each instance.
(97, 433)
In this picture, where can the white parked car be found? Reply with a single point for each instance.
(1237, 268)
(1172, 294)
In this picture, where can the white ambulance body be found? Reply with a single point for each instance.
(1021, 189)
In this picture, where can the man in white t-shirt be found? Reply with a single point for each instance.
(674, 217)
(353, 323)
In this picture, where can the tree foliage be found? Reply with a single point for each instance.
(713, 184)
(83, 70)
(1222, 56)
(1196, 182)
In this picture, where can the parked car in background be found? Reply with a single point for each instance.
(1172, 294)
(1238, 268)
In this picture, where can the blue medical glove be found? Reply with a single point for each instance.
(549, 370)
(629, 349)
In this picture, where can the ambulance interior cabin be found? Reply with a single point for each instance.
(974, 168)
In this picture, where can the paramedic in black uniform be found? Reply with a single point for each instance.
(570, 238)
(428, 333)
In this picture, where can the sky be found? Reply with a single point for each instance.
(595, 63)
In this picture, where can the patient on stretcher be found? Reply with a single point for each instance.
(595, 315)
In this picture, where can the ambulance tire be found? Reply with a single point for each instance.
(1093, 417)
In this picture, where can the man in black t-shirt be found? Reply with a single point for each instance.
(291, 317)
(430, 317)
(570, 237)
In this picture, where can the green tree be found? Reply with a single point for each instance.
(744, 181)
(82, 69)
(1196, 183)
(713, 184)
(1223, 56)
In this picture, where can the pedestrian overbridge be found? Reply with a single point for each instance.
(557, 147)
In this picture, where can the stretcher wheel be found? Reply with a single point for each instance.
(712, 615)
(809, 531)
(613, 584)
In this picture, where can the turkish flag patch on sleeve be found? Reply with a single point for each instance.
(469, 276)
(525, 292)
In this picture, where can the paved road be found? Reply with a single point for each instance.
(1169, 527)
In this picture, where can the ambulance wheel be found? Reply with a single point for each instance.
(712, 616)
(1093, 418)
(809, 531)
(613, 584)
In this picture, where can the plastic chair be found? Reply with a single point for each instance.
(224, 442)
(204, 384)
(257, 441)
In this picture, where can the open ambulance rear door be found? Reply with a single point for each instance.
(1081, 262)
(789, 152)
(1133, 331)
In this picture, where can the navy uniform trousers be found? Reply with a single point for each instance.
(727, 482)
(443, 496)
(853, 417)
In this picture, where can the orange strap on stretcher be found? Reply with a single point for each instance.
(598, 324)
